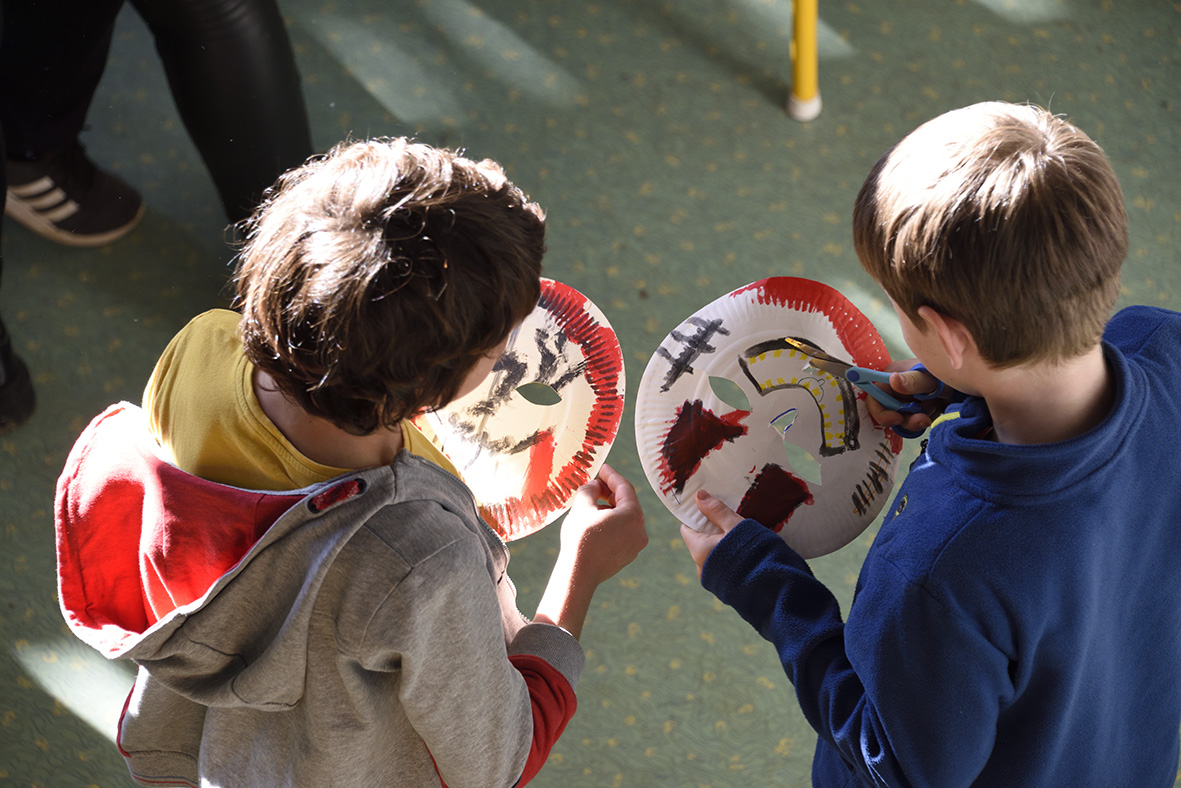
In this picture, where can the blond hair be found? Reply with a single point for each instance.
(1004, 217)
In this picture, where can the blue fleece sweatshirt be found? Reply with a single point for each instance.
(1017, 621)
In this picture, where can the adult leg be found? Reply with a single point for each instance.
(16, 388)
(235, 82)
(52, 55)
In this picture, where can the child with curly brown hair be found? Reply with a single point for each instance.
(310, 596)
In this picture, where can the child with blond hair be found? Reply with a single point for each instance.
(1017, 620)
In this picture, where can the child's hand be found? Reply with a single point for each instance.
(721, 516)
(603, 532)
(906, 382)
(604, 529)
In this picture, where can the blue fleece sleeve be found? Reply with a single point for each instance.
(774, 591)
(897, 710)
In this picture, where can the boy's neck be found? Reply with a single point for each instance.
(320, 440)
(1049, 402)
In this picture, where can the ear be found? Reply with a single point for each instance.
(958, 343)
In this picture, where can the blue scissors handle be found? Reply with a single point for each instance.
(938, 391)
(861, 375)
(866, 378)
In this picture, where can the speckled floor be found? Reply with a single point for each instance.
(654, 133)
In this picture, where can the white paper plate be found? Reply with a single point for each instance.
(525, 461)
(762, 450)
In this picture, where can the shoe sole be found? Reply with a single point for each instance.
(22, 212)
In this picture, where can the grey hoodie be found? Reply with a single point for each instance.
(360, 632)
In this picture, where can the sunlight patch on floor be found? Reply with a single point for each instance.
(92, 688)
(1026, 11)
(509, 58)
(411, 90)
(420, 82)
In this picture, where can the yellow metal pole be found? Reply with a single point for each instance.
(804, 102)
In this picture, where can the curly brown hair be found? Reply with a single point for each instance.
(373, 278)
(1004, 217)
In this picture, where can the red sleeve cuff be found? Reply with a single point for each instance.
(553, 703)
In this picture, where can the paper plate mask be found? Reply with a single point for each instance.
(522, 460)
(726, 406)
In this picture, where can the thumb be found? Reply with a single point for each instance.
(717, 512)
(912, 382)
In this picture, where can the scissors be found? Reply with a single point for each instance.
(865, 379)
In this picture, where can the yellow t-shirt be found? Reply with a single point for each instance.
(201, 408)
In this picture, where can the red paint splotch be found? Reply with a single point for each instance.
(773, 497)
(695, 433)
(541, 465)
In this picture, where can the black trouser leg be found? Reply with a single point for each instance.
(16, 388)
(5, 341)
(229, 64)
(52, 55)
(234, 79)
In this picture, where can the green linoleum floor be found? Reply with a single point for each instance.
(655, 136)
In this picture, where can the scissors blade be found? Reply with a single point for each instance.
(819, 359)
(838, 369)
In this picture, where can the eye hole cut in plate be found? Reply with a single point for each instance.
(804, 464)
(729, 392)
(538, 393)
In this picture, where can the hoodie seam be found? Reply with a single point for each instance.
(396, 585)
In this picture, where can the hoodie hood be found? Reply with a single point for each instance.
(208, 587)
